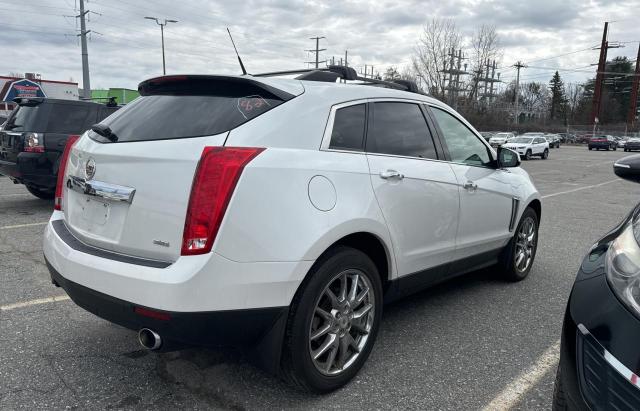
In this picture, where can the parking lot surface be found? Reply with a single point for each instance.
(470, 343)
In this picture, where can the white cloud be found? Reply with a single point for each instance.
(273, 35)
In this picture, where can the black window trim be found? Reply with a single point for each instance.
(441, 152)
(429, 107)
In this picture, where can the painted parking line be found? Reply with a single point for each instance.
(39, 301)
(7, 227)
(516, 390)
(580, 189)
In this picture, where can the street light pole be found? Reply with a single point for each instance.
(157, 20)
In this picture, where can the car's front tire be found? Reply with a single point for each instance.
(527, 155)
(545, 154)
(517, 258)
(41, 194)
(559, 399)
(333, 321)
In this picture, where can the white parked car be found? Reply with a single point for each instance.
(499, 139)
(528, 147)
(280, 214)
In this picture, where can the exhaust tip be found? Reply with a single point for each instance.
(149, 339)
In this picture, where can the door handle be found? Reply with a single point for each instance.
(470, 186)
(388, 174)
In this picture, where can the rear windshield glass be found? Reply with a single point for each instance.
(160, 117)
(52, 118)
(28, 118)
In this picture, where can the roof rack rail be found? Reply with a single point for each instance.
(334, 72)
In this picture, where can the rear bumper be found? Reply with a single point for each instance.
(34, 169)
(599, 145)
(201, 283)
(218, 328)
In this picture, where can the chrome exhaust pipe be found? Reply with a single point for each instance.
(149, 339)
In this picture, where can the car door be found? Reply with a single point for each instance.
(418, 194)
(538, 145)
(486, 194)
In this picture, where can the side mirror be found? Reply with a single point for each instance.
(628, 168)
(508, 158)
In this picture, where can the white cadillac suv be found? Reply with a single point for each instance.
(280, 214)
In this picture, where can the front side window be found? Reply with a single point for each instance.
(464, 146)
(400, 129)
(348, 128)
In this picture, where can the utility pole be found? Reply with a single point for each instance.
(317, 51)
(346, 63)
(157, 20)
(633, 102)
(518, 66)
(86, 82)
(597, 93)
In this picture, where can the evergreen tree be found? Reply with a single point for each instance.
(558, 98)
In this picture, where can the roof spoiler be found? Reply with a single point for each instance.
(28, 101)
(209, 85)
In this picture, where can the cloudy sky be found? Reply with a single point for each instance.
(37, 36)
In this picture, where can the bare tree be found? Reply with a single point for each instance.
(430, 54)
(485, 45)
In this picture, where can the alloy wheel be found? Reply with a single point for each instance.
(342, 321)
(525, 244)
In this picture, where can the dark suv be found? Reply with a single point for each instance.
(603, 142)
(35, 134)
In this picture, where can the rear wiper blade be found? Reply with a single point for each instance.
(104, 131)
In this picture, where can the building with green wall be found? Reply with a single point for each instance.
(122, 95)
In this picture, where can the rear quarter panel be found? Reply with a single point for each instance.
(271, 216)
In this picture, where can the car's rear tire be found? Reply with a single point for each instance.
(517, 258)
(545, 154)
(332, 326)
(615, 148)
(527, 155)
(41, 194)
(590, 148)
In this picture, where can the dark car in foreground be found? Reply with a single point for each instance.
(35, 135)
(603, 142)
(600, 350)
(632, 144)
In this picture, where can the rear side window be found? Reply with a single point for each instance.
(70, 119)
(400, 129)
(348, 128)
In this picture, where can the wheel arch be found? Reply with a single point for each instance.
(370, 243)
(536, 205)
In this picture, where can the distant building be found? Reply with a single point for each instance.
(31, 85)
(122, 95)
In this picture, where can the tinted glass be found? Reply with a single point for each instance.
(159, 117)
(464, 146)
(28, 118)
(348, 128)
(400, 129)
(70, 119)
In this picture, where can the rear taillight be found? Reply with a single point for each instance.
(215, 180)
(33, 143)
(57, 205)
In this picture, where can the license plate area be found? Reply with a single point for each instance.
(98, 221)
(94, 211)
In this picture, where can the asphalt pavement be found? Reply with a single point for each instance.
(467, 344)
